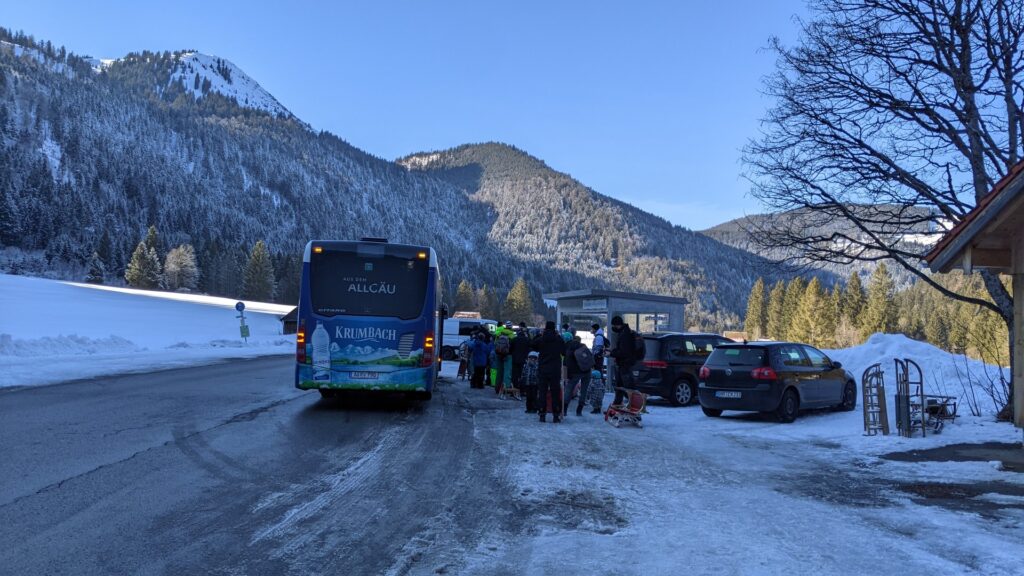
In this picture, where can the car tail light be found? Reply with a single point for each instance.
(300, 342)
(705, 372)
(428, 350)
(655, 364)
(764, 373)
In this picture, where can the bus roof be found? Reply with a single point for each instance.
(351, 245)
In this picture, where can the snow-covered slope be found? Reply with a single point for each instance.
(56, 331)
(944, 373)
(201, 73)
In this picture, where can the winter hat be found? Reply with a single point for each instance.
(595, 326)
(617, 321)
(533, 354)
(595, 374)
(549, 325)
(508, 324)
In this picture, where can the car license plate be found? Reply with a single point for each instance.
(364, 375)
(728, 394)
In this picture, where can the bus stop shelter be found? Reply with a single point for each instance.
(991, 237)
(643, 312)
(580, 309)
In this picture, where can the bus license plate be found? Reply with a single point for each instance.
(728, 394)
(364, 375)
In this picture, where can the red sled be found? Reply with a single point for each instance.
(628, 413)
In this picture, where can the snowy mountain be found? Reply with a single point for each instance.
(200, 74)
(88, 160)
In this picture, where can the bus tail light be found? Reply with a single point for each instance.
(300, 342)
(428, 350)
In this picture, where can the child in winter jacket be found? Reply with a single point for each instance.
(596, 392)
(528, 382)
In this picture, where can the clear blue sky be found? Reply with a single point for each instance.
(648, 102)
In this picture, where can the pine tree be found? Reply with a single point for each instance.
(879, 311)
(518, 305)
(804, 327)
(181, 269)
(9, 227)
(143, 269)
(465, 299)
(776, 312)
(936, 329)
(853, 300)
(830, 318)
(791, 305)
(258, 283)
(488, 303)
(97, 270)
(756, 320)
(152, 241)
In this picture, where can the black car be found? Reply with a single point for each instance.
(773, 377)
(671, 362)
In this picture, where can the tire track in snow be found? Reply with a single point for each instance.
(330, 488)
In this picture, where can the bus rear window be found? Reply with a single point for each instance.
(737, 356)
(367, 285)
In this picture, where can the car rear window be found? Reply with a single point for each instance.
(652, 348)
(737, 356)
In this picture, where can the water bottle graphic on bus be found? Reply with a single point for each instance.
(321, 354)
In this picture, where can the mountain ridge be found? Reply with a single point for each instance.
(96, 158)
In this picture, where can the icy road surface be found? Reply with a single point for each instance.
(227, 469)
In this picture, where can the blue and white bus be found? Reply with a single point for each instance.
(368, 315)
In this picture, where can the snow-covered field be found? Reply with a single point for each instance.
(54, 331)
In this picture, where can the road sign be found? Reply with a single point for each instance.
(240, 306)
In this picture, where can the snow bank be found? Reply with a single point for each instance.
(944, 373)
(54, 331)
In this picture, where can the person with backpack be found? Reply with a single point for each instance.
(600, 345)
(628, 350)
(503, 336)
(480, 351)
(520, 349)
(550, 347)
(579, 361)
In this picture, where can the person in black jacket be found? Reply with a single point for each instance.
(576, 374)
(520, 349)
(549, 371)
(625, 357)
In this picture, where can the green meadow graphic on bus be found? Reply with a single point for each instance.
(364, 357)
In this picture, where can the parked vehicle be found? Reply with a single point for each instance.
(671, 364)
(779, 378)
(457, 331)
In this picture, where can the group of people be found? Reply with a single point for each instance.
(550, 367)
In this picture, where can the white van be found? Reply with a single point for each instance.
(457, 331)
